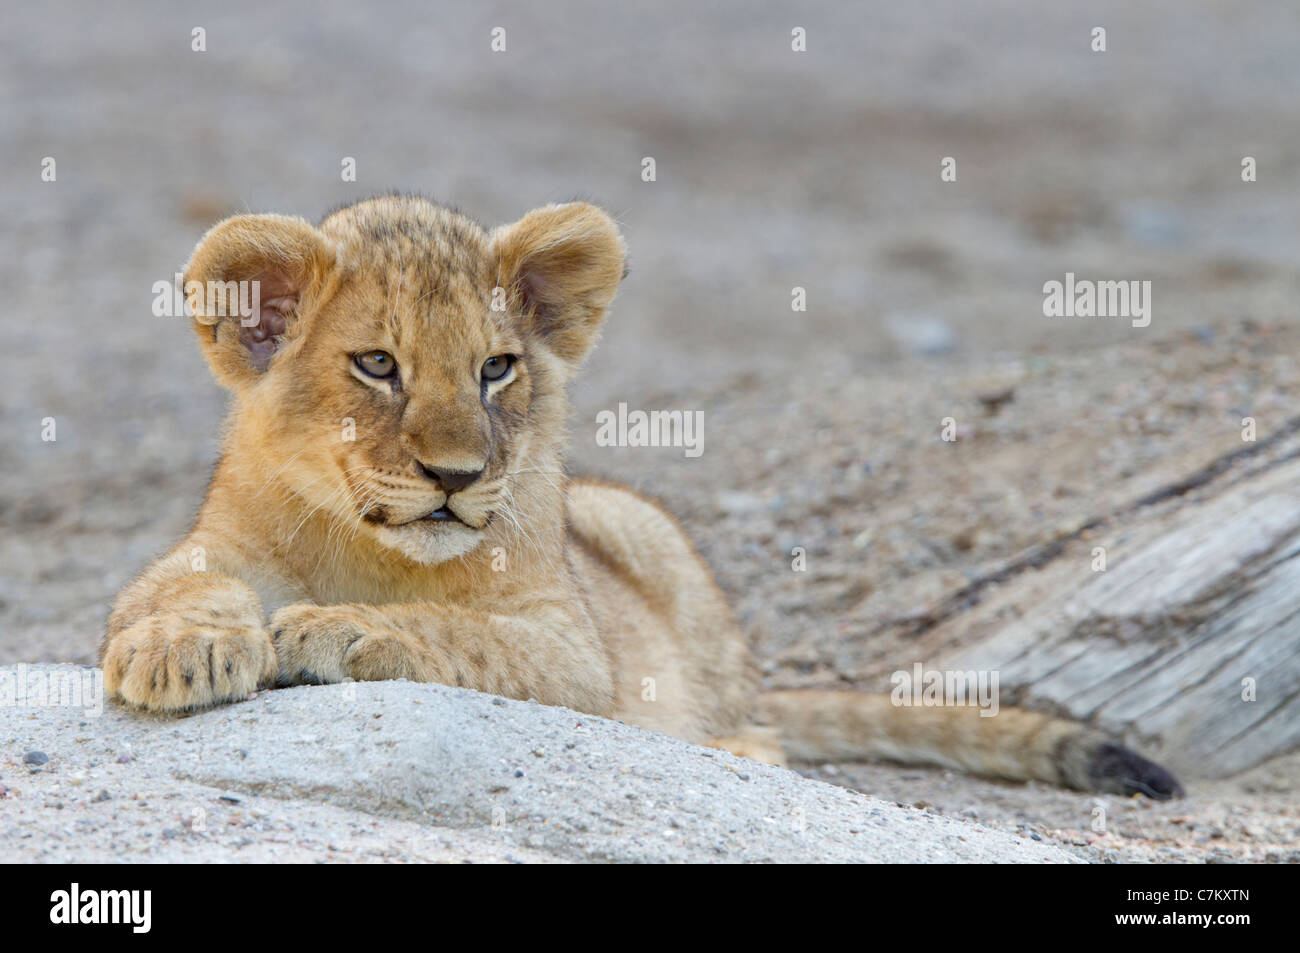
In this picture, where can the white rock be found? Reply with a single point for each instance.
(447, 767)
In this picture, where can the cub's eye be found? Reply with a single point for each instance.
(376, 363)
(495, 368)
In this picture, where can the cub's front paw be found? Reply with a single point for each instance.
(320, 644)
(172, 662)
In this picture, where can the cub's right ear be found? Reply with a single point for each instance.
(249, 282)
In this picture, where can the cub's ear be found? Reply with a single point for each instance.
(560, 266)
(249, 280)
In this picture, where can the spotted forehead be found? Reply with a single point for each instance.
(432, 265)
(435, 252)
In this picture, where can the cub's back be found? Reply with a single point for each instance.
(681, 665)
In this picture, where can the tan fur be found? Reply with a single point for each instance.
(309, 561)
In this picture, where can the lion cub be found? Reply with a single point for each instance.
(391, 502)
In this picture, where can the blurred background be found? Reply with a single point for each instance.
(774, 169)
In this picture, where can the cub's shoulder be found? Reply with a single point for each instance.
(623, 523)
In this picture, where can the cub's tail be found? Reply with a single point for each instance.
(1015, 744)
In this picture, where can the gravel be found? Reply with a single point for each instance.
(403, 771)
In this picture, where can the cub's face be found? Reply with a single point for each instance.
(408, 402)
(406, 367)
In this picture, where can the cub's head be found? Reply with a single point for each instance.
(398, 368)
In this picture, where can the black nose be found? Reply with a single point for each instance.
(451, 480)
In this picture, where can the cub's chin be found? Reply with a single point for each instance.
(429, 543)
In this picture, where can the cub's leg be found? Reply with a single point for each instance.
(550, 653)
(179, 639)
(756, 743)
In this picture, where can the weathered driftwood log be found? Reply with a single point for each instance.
(1188, 641)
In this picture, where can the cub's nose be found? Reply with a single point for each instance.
(450, 480)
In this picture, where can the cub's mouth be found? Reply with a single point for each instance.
(431, 538)
(443, 514)
(382, 516)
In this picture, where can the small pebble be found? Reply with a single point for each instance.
(36, 758)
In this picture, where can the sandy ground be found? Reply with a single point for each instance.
(397, 771)
(775, 170)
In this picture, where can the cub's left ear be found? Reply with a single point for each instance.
(285, 260)
(560, 266)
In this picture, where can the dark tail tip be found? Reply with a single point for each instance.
(1117, 770)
